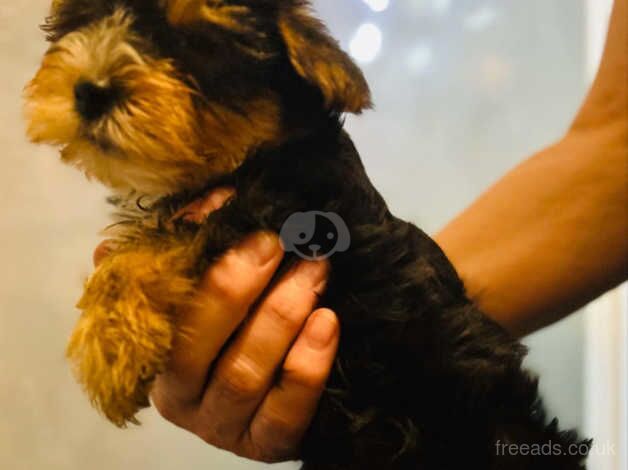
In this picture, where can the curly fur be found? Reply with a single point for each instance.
(124, 338)
(249, 94)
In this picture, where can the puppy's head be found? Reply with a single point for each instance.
(156, 96)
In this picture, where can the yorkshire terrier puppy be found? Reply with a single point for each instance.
(162, 100)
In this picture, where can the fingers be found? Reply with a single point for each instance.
(246, 370)
(228, 290)
(238, 408)
(285, 414)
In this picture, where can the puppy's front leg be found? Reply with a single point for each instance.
(124, 335)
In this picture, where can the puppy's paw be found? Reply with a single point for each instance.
(125, 333)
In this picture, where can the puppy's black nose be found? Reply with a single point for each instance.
(93, 101)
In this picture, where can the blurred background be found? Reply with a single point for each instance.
(464, 90)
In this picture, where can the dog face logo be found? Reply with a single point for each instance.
(315, 235)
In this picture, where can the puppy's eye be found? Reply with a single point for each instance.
(330, 236)
(302, 236)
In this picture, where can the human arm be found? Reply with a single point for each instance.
(552, 234)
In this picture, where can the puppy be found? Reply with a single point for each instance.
(162, 100)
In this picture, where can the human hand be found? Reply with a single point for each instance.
(263, 388)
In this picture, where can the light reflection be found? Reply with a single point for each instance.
(377, 5)
(366, 43)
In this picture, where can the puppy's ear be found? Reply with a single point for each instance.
(318, 58)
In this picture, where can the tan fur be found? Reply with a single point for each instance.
(158, 142)
(322, 62)
(123, 338)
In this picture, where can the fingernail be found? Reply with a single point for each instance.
(321, 329)
(261, 247)
(311, 274)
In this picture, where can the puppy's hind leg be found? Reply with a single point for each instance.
(125, 333)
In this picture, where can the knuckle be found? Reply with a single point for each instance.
(251, 451)
(237, 380)
(284, 312)
(273, 425)
(168, 410)
(273, 438)
(264, 455)
(209, 435)
(309, 376)
(224, 283)
(216, 432)
(208, 425)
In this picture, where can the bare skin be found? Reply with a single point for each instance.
(546, 239)
(552, 234)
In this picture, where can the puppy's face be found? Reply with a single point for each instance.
(156, 96)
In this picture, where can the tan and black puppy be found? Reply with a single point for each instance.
(161, 100)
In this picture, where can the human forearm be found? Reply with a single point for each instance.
(552, 234)
(546, 239)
